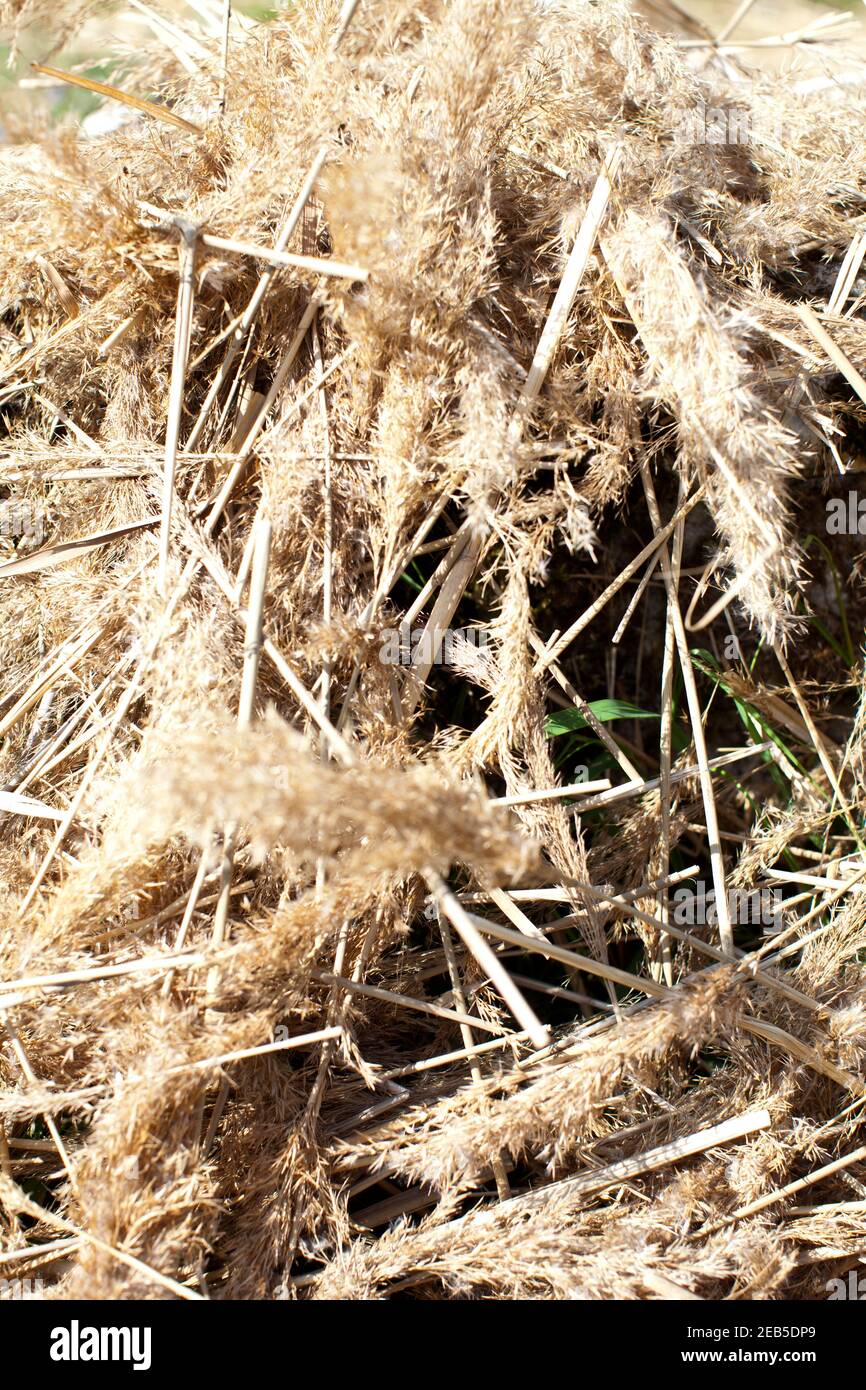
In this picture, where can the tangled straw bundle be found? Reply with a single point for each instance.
(322, 972)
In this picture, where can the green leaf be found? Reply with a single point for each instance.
(565, 721)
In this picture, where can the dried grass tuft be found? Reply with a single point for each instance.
(396, 321)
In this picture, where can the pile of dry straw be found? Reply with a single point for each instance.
(413, 315)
